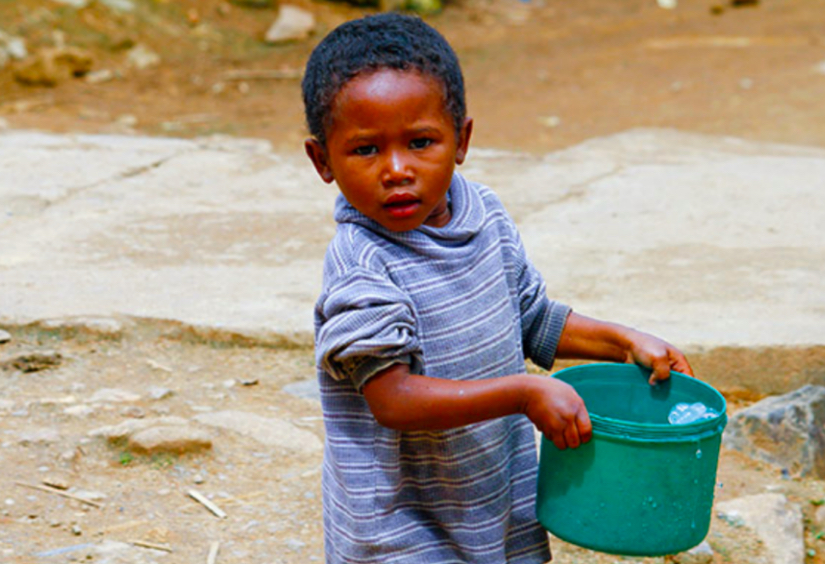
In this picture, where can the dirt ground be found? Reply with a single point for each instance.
(541, 75)
(48, 414)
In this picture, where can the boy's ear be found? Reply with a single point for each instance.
(464, 140)
(318, 155)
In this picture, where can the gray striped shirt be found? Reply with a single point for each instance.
(460, 302)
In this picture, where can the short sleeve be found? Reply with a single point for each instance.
(364, 323)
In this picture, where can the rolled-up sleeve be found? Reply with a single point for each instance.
(365, 324)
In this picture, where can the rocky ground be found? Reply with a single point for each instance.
(247, 435)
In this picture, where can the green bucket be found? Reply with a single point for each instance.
(641, 486)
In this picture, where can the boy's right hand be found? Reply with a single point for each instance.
(558, 412)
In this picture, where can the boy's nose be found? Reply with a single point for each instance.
(396, 170)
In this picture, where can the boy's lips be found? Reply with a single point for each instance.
(401, 206)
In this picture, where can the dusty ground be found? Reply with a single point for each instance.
(541, 75)
(271, 496)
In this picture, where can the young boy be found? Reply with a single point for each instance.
(428, 310)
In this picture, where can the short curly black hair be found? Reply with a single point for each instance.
(372, 43)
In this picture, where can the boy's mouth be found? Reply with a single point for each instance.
(401, 206)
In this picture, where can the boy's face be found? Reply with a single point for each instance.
(392, 148)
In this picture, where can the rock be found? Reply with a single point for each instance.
(159, 393)
(271, 432)
(52, 65)
(176, 439)
(5, 337)
(6, 405)
(119, 5)
(293, 24)
(115, 433)
(786, 431)
(141, 57)
(700, 554)
(307, 389)
(113, 395)
(79, 4)
(41, 436)
(33, 361)
(13, 47)
(777, 523)
(90, 326)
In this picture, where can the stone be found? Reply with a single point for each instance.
(5, 337)
(699, 554)
(6, 405)
(293, 24)
(52, 65)
(33, 361)
(776, 522)
(159, 393)
(113, 395)
(41, 436)
(121, 431)
(785, 431)
(79, 4)
(92, 326)
(141, 57)
(119, 5)
(271, 432)
(176, 439)
(13, 47)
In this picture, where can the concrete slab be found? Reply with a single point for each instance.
(705, 241)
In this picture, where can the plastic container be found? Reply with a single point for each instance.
(641, 486)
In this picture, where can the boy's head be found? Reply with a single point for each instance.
(385, 41)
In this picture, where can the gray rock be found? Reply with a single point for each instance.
(34, 361)
(114, 433)
(293, 24)
(700, 554)
(5, 337)
(13, 47)
(159, 393)
(177, 439)
(41, 436)
(141, 57)
(119, 5)
(94, 326)
(786, 431)
(776, 522)
(307, 389)
(272, 432)
(113, 395)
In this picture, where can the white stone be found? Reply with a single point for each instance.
(113, 395)
(293, 24)
(131, 426)
(776, 522)
(141, 57)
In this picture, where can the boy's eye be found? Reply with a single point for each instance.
(421, 143)
(366, 150)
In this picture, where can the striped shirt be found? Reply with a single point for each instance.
(460, 302)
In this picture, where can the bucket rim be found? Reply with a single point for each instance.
(605, 426)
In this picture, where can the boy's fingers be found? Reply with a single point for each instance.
(558, 440)
(661, 370)
(585, 427)
(571, 435)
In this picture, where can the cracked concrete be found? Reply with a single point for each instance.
(706, 241)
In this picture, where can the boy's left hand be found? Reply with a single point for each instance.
(658, 355)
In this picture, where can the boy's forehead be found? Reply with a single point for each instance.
(384, 83)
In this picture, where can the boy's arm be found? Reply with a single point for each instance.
(412, 402)
(587, 338)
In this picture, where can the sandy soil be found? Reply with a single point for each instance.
(541, 75)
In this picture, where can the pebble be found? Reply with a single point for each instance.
(5, 337)
(293, 24)
(174, 439)
(159, 393)
(141, 57)
(113, 395)
(33, 361)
